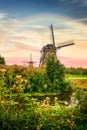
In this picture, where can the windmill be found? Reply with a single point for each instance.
(30, 62)
(50, 49)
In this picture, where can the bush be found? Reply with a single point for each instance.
(56, 73)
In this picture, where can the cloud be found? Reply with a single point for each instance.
(80, 2)
(16, 40)
(8, 20)
(3, 15)
(80, 19)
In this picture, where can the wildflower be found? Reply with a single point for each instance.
(25, 80)
(3, 70)
(18, 76)
(55, 98)
(47, 100)
(66, 103)
(68, 121)
(22, 79)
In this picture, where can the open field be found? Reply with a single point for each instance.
(73, 76)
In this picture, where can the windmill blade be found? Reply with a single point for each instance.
(64, 44)
(52, 33)
(30, 57)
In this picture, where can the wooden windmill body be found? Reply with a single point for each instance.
(50, 49)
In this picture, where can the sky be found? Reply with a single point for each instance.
(25, 29)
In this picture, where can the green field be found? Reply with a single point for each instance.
(72, 76)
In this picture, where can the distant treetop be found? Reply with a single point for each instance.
(2, 60)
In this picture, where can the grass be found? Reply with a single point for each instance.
(70, 76)
(77, 81)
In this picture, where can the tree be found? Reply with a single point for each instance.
(55, 70)
(56, 73)
(2, 60)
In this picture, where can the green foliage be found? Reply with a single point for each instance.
(36, 118)
(49, 79)
(19, 110)
(82, 99)
(76, 71)
(2, 60)
(55, 70)
(56, 73)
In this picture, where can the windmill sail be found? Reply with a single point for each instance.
(53, 39)
(30, 57)
(64, 44)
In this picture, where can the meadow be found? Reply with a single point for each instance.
(42, 99)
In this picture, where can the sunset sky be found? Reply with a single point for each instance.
(24, 29)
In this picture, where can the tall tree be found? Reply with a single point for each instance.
(56, 73)
(55, 70)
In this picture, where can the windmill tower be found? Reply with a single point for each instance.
(50, 49)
